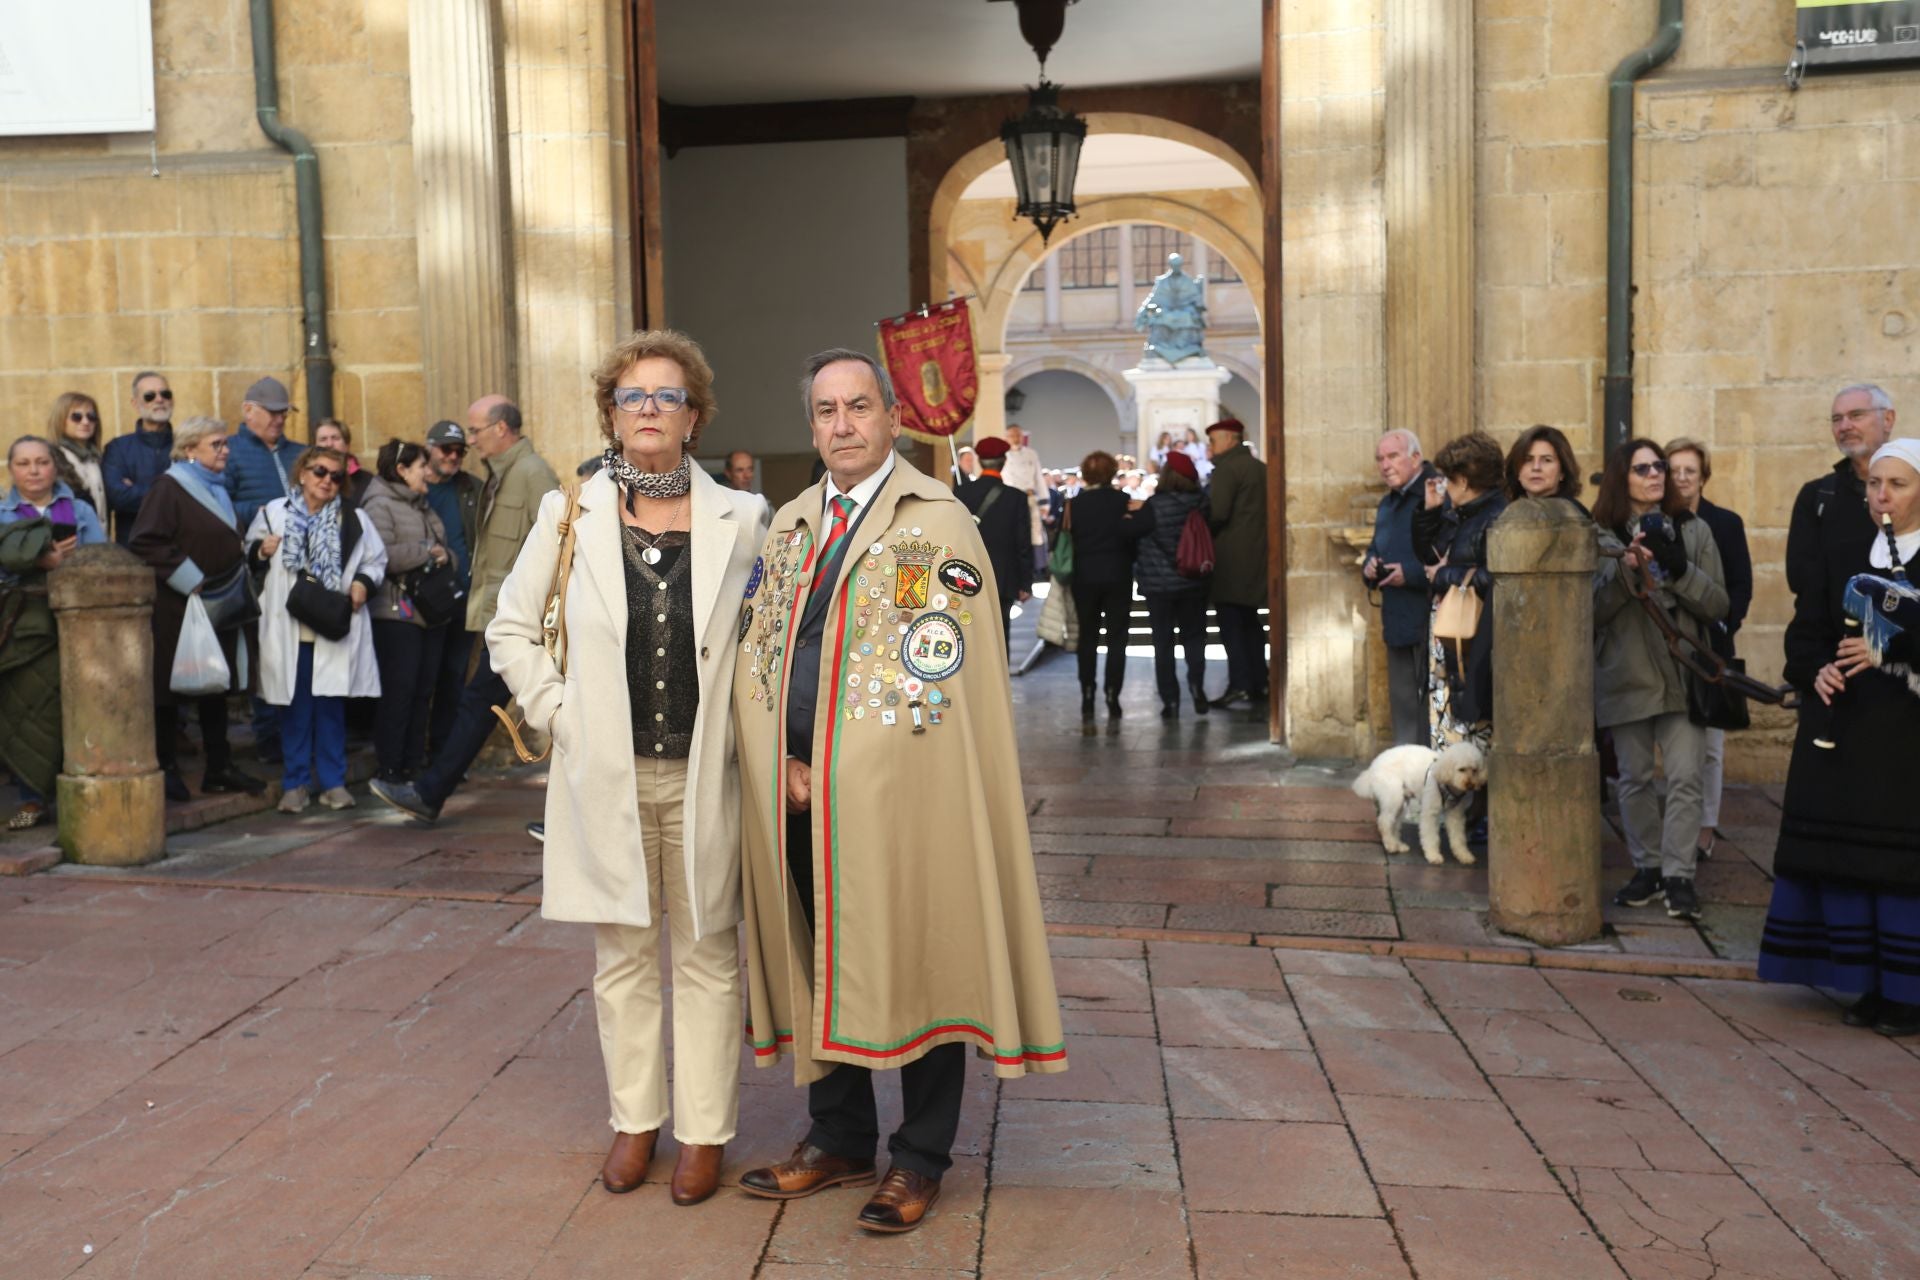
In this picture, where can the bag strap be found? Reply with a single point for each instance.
(553, 623)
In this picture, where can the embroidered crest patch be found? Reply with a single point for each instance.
(753, 579)
(913, 573)
(961, 578)
(933, 648)
(746, 620)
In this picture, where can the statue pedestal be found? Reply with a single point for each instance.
(1174, 397)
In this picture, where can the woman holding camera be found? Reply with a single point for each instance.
(406, 641)
(185, 531)
(1651, 542)
(1450, 538)
(324, 560)
(1846, 893)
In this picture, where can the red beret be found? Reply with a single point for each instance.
(992, 447)
(1228, 424)
(1178, 461)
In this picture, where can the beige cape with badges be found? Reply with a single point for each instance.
(929, 914)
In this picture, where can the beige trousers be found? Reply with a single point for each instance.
(707, 1014)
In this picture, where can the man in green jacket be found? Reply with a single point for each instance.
(517, 479)
(1238, 514)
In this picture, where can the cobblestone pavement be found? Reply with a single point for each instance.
(345, 1046)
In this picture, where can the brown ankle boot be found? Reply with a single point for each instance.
(627, 1161)
(696, 1175)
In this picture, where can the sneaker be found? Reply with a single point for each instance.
(1682, 902)
(1639, 891)
(176, 788)
(225, 781)
(405, 797)
(337, 798)
(538, 830)
(293, 801)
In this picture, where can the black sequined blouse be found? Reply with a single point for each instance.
(663, 679)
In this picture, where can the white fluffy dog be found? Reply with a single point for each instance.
(1437, 783)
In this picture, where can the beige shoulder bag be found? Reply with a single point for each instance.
(1458, 619)
(553, 625)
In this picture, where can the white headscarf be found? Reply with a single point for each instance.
(1906, 449)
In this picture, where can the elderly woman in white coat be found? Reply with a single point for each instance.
(643, 797)
(316, 532)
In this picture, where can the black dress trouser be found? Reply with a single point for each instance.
(213, 733)
(1184, 612)
(409, 660)
(1105, 611)
(845, 1120)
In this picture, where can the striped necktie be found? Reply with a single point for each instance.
(842, 512)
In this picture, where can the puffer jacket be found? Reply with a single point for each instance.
(411, 528)
(1634, 676)
(255, 474)
(1156, 565)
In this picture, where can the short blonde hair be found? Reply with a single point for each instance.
(664, 344)
(1687, 444)
(188, 435)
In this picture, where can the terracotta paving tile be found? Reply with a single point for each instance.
(383, 981)
(337, 1126)
(821, 1230)
(1258, 870)
(1642, 1010)
(1101, 983)
(1273, 1167)
(48, 1233)
(1061, 864)
(1399, 1064)
(1337, 964)
(1246, 1246)
(1114, 1231)
(1456, 1234)
(1610, 1124)
(237, 1225)
(1482, 986)
(1115, 889)
(1103, 1069)
(1526, 1042)
(1105, 1022)
(1262, 822)
(1097, 788)
(1661, 940)
(536, 1105)
(1376, 1003)
(1855, 1236)
(272, 1047)
(1691, 1223)
(1097, 948)
(1116, 807)
(171, 1007)
(1216, 1017)
(1183, 964)
(1083, 1144)
(792, 1271)
(1321, 897)
(310, 929)
(1138, 915)
(1461, 926)
(453, 926)
(1044, 824)
(1248, 1084)
(46, 1083)
(472, 1212)
(573, 1032)
(557, 935)
(1445, 1142)
(644, 1233)
(429, 880)
(1269, 920)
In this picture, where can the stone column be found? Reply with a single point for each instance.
(1429, 214)
(113, 805)
(1544, 780)
(1123, 248)
(990, 411)
(461, 199)
(1050, 281)
(561, 64)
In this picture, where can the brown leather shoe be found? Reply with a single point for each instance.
(901, 1202)
(627, 1161)
(807, 1170)
(696, 1174)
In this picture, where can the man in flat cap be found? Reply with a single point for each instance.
(891, 909)
(260, 457)
(1002, 513)
(1238, 514)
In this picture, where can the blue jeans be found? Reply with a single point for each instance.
(313, 734)
(473, 724)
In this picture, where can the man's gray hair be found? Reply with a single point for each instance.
(1408, 440)
(505, 411)
(143, 375)
(834, 355)
(1881, 400)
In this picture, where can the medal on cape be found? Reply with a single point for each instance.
(759, 572)
(746, 619)
(913, 573)
(933, 647)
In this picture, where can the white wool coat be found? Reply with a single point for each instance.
(341, 668)
(594, 856)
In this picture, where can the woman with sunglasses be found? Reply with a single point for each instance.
(1650, 541)
(185, 531)
(643, 808)
(407, 644)
(75, 424)
(316, 535)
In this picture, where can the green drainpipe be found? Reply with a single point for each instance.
(318, 357)
(1618, 424)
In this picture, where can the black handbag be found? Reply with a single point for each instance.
(328, 613)
(436, 593)
(230, 599)
(1716, 706)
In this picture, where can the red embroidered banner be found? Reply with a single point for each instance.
(930, 357)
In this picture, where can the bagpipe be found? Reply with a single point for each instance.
(1877, 609)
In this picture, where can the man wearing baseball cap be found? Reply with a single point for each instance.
(454, 495)
(260, 457)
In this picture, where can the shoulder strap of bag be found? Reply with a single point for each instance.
(987, 504)
(553, 624)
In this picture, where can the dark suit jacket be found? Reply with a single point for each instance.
(1104, 533)
(1730, 536)
(1007, 530)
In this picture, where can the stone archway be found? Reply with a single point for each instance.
(1116, 389)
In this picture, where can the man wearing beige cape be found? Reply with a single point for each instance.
(892, 916)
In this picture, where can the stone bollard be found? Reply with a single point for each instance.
(113, 807)
(1544, 780)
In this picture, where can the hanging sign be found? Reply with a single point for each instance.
(929, 355)
(1845, 31)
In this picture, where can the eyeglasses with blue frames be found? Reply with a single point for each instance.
(634, 399)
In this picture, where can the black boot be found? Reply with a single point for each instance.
(1200, 703)
(1170, 708)
(1086, 701)
(1113, 703)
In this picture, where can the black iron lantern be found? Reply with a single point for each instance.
(1043, 149)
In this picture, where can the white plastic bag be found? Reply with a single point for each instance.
(199, 668)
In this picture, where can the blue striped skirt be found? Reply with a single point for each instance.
(1843, 938)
